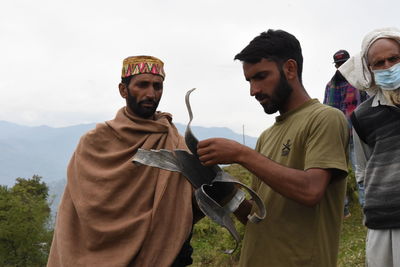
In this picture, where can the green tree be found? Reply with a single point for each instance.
(24, 219)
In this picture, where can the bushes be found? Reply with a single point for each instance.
(24, 214)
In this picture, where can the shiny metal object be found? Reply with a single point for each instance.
(204, 178)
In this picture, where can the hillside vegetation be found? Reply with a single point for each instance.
(25, 228)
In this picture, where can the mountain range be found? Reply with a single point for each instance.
(45, 151)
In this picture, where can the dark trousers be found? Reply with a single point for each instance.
(184, 257)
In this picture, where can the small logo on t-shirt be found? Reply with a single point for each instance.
(286, 148)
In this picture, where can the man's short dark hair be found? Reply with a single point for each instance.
(275, 45)
(126, 80)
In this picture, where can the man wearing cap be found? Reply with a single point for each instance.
(376, 130)
(340, 94)
(114, 213)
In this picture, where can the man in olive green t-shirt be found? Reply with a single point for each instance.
(299, 164)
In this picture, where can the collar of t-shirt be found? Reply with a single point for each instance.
(286, 115)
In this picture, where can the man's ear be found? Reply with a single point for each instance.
(290, 69)
(123, 90)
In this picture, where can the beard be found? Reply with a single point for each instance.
(139, 109)
(279, 95)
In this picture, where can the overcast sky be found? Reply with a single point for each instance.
(60, 60)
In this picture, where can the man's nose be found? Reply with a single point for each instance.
(151, 92)
(254, 89)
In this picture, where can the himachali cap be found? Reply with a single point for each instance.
(341, 56)
(142, 64)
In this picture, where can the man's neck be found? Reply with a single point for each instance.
(297, 98)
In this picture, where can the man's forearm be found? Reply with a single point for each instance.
(305, 187)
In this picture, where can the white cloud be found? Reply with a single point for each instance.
(61, 60)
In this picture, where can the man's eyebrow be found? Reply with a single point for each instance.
(382, 60)
(256, 75)
(251, 77)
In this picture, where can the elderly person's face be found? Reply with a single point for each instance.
(383, 54)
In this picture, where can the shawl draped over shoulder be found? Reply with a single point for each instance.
(115, 213)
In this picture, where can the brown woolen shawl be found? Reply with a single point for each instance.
(114, 213)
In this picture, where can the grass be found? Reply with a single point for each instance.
(352, 239)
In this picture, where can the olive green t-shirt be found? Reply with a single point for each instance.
(311, 136)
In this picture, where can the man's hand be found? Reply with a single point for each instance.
(219, 151)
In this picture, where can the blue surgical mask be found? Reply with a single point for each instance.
(388, 79)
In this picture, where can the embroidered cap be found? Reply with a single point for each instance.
(142, 64)
(341, 56)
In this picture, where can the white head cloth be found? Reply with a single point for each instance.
(356, 70)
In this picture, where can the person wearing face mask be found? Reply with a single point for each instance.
(376, 131)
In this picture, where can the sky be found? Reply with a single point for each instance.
(61, 60)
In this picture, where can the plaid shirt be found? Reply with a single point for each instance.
(342, 95)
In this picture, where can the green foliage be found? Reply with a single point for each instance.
(24, 216)
(210, 240)
(209, 243)
(352, 192)
(352, 239)
(31, 187)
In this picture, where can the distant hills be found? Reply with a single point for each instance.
(45, 151)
